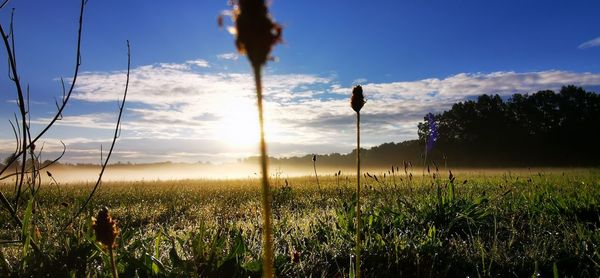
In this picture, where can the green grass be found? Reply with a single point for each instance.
(482, 224)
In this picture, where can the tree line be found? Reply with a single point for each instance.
(541, 129)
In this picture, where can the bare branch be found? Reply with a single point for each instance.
(62, 83)
(58, 114)
(12, 39)
(16, 136)
(25, 142)
(9, 45)
(3, 4)
(115, 136)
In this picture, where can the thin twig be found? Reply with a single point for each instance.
(115, 136)
(34, 172)
(3, 4)
(21, 102)
(58, 114)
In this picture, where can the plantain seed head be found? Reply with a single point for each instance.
(105, 228)
(357, 101)
(256, 31)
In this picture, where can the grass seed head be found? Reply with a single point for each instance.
(256, 31)
(357, 101)
(105, 228)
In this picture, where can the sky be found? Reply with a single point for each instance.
(191, 97)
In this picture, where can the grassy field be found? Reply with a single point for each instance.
(415, 224)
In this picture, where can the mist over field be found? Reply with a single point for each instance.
(178, 171)
(84, 174)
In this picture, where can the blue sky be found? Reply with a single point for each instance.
(191, 96)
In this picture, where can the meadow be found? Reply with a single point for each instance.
(416, 223)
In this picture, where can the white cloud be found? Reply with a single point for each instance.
(591, 43)
(174, 66)
(94, 120)
(359, 81)
(175, 109)
(462, 85)
(199, 63)
(228, 56)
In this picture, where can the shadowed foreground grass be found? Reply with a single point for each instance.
(502, 224)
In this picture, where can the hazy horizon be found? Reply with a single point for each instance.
(86, 174)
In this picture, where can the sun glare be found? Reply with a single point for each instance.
(239, 125)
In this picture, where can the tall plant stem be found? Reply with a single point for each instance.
(358, 217)
(317, 177)
(113, 262)
(266, 191)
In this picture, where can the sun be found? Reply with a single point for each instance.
(238, 126)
